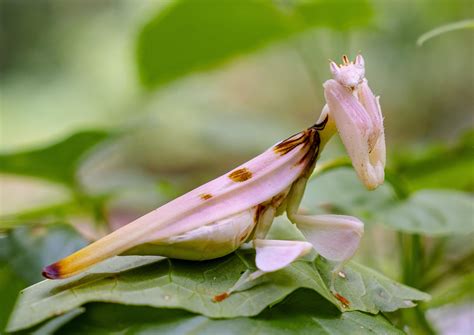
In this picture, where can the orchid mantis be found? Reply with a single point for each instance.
(239, 207)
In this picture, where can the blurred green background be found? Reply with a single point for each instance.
(111, 108)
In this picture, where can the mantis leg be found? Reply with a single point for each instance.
(272, 255)
(335, 237)
(265, 222)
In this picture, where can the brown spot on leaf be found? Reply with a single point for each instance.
(205, 196)
(220, 297)
(240, 175)
(342, 299)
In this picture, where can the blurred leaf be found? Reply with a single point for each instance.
(445, 28)
(190, 36)
(56, 162)
(10, 286)
(340, 191)
(304, 312)
(457, 290)
(191, 286)
(431, 212)
(440, 166)
(337, 14)
(42, 215)
(23, 197)
(28, 249)
(194, 35)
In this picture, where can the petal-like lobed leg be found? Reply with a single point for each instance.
(335, 237)
(272, 255)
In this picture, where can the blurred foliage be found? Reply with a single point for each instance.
(58, 162)
(71, 66)
(439, 165)
(166, 50)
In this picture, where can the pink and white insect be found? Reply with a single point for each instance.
(239, 207)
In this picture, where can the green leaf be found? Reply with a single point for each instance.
(140, 280)
(28, 249)
(189, 36)
(10, 286)
(57, 162)
(431, 212)
(304, 312)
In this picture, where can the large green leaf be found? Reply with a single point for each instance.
(431, 212)
(140, 280)
(304, 312)
(189, 36)
(56, 162)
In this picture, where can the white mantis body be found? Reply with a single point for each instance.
(216, 218)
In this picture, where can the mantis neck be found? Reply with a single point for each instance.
(327, 132)
(329, 129)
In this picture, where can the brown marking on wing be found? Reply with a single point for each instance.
(342, 299)
(305, 137)
(240, 175)
(313, 150)
(313, 142)
(289, 144)
(220, 297)
(205, 196)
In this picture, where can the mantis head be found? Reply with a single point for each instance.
(358, 118)
(349, 74)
